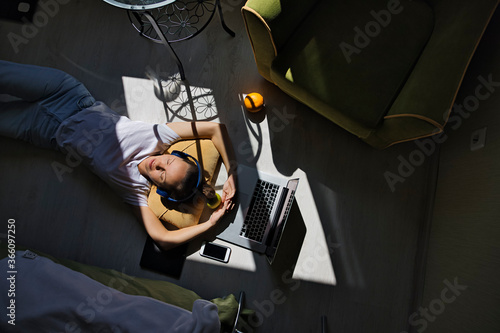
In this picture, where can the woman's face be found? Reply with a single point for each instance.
(164, 170)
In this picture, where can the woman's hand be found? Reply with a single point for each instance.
(229, 191)
(218, 213)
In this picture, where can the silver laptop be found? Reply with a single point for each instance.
(264, 204)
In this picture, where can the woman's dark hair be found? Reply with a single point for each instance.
(188, 184)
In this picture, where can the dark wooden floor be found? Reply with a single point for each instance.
(374, 231)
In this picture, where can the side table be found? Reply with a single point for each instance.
(170, 21)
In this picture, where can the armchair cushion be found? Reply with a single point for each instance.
(354, 58)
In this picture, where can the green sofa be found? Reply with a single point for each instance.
(387, 71)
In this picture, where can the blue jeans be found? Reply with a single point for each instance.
(45, 98)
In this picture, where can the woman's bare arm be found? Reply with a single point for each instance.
(208, 130)
(168, 239)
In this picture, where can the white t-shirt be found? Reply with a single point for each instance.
(112, 146)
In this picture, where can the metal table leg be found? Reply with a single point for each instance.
(219, 8)
(163, 39)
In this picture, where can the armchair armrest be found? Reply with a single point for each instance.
(269, 24)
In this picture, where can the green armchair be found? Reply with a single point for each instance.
(387, 71)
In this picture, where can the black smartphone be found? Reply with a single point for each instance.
(215, 251)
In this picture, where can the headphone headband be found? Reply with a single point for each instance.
(184, 156)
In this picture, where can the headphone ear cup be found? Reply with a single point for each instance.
(162, 193)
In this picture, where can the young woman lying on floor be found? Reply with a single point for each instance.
(54, 110)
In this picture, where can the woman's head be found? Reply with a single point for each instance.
(174, 174)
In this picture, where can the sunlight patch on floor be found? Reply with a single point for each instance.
(315, 259)
(168, 100)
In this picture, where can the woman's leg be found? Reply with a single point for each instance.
(28, 122)
(47, 97)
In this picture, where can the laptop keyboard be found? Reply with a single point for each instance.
(259, 212)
